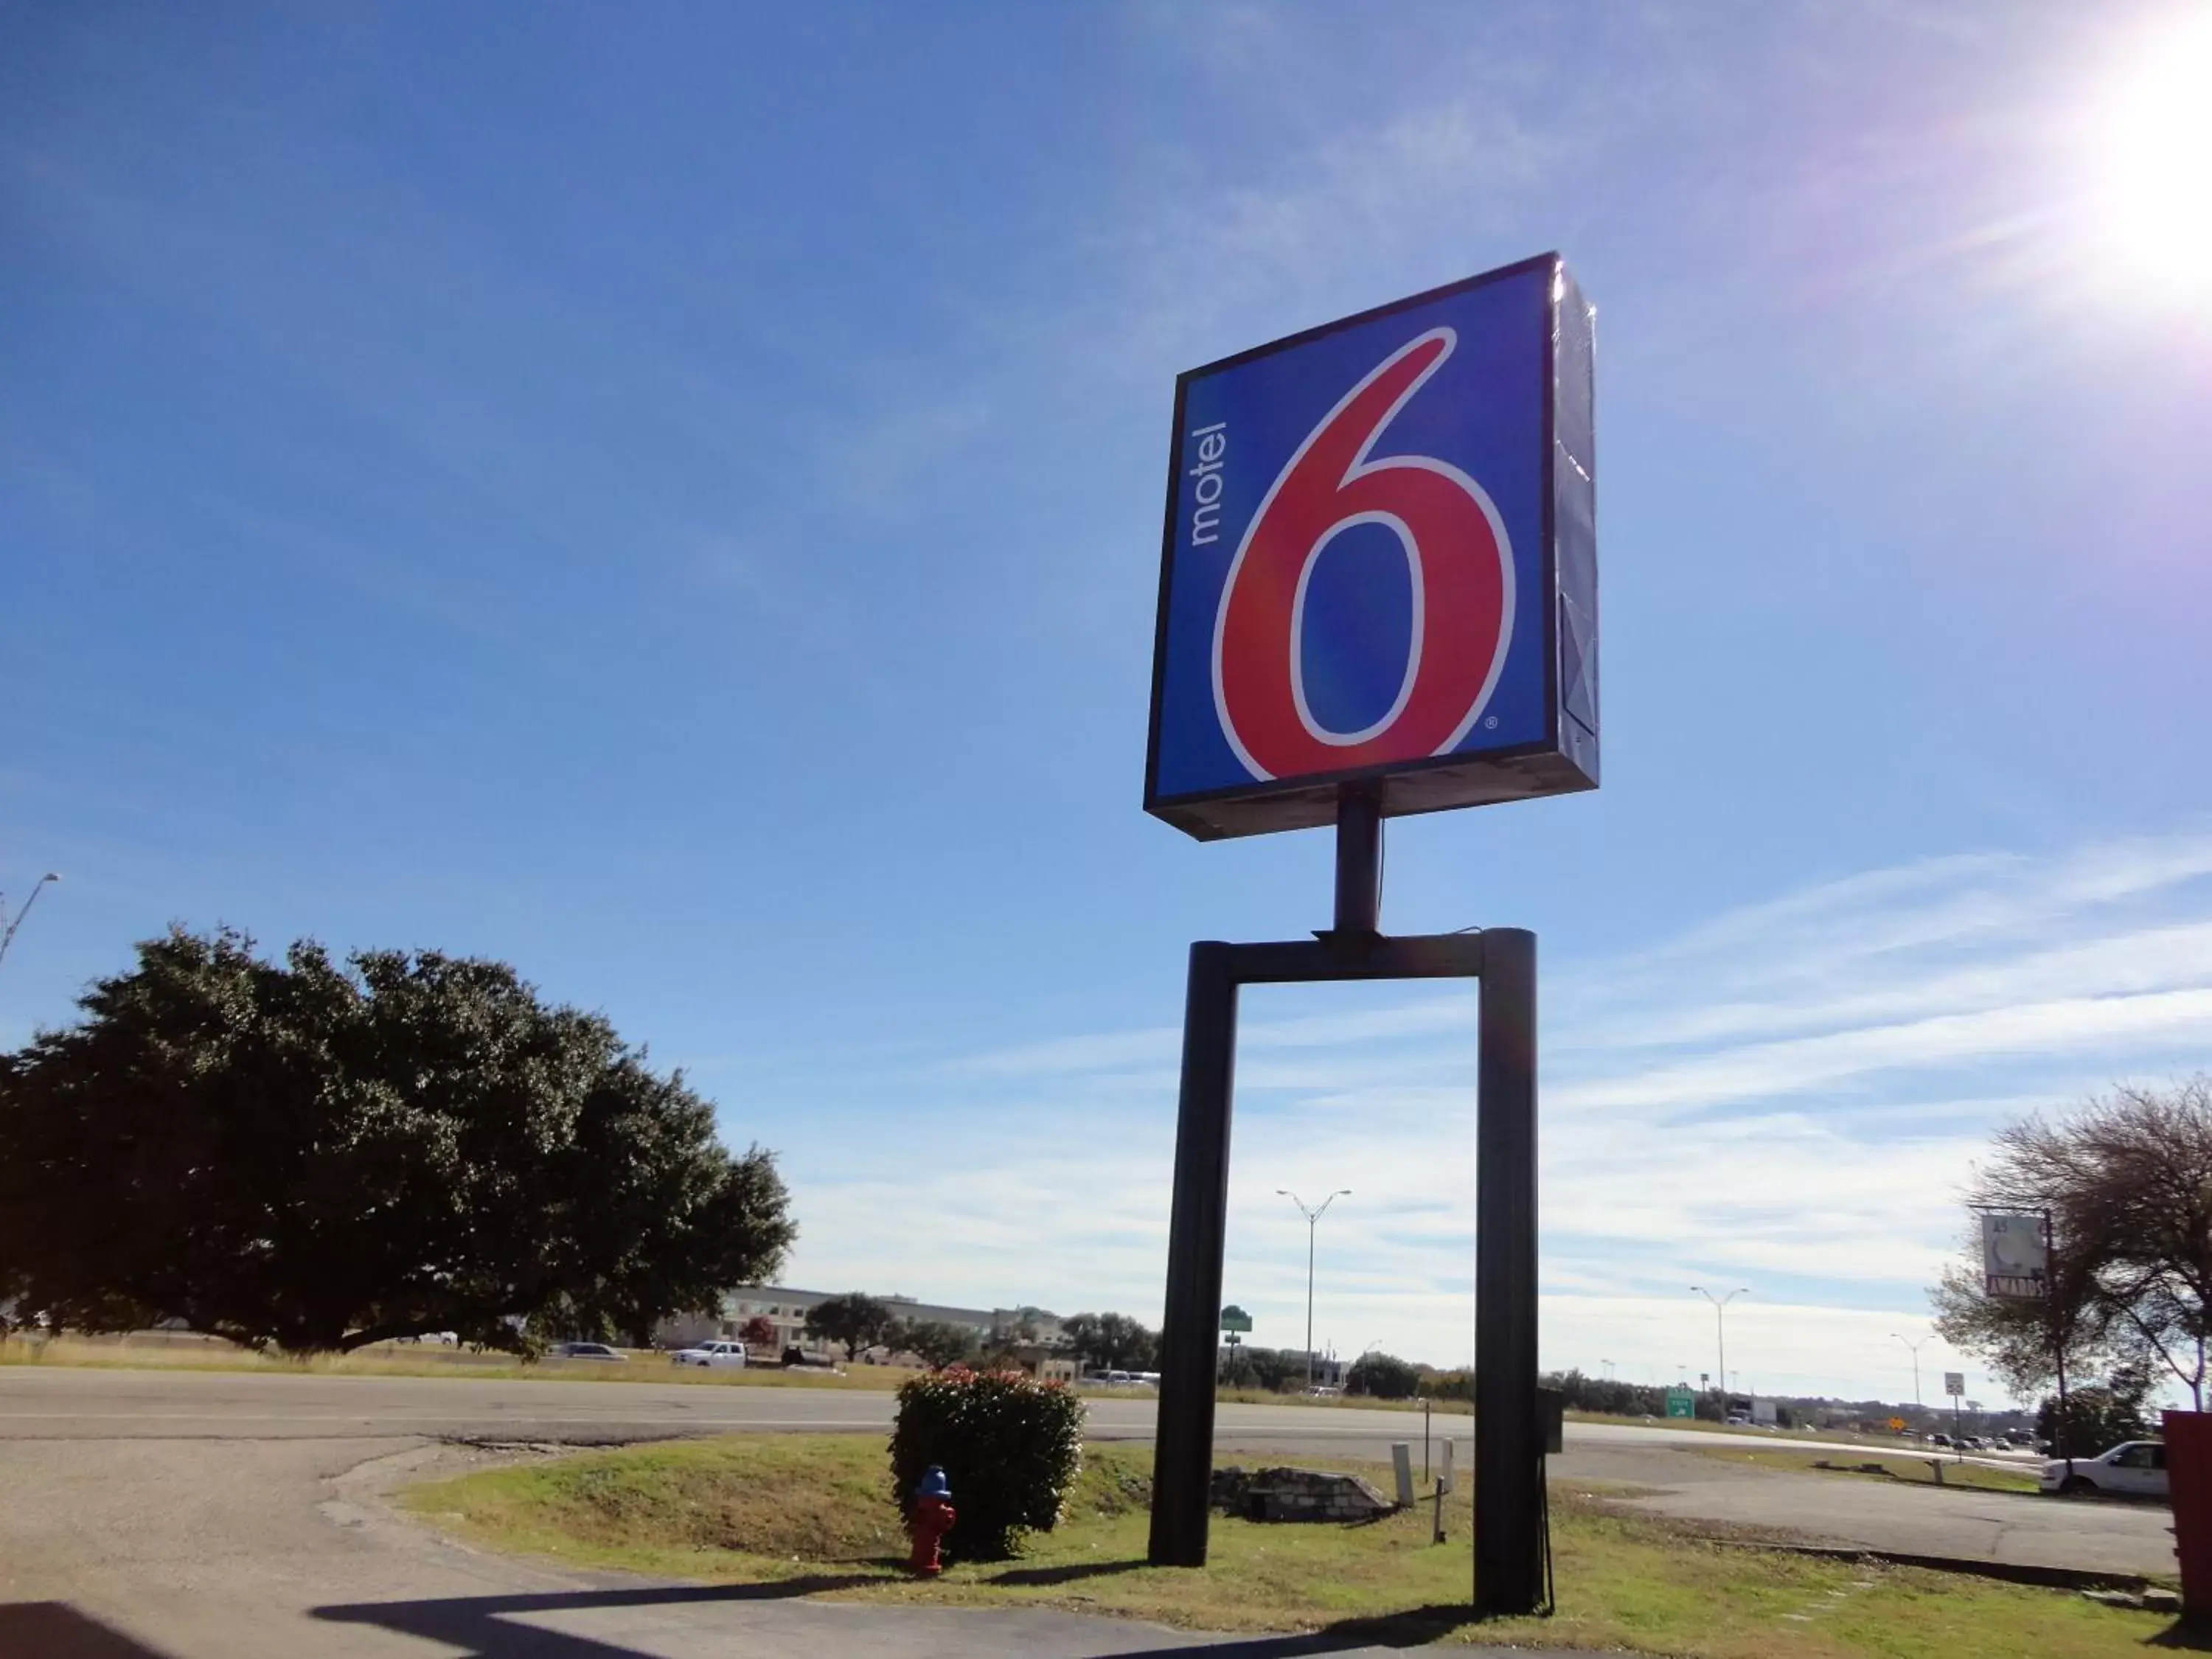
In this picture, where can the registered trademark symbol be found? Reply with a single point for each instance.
(1489, 723)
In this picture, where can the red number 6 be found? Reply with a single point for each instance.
(1456, 552)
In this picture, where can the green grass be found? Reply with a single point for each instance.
(1906, 1468)
(815, 1509)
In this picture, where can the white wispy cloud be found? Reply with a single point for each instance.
(1790, 1096)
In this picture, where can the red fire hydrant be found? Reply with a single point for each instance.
(932, 1518)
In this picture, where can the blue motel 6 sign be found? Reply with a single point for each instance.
(1380, 564)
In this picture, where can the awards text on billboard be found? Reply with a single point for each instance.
(2015, 1256)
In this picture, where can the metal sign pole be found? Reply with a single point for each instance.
(1183, 1452)
(1509, 1471)
(1508, 1430)
(1358, 861)
(2064, 1436)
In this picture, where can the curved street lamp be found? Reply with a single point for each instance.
(1915, 1346)
(1720, 1325)
(1313, 1217)
(8, 938)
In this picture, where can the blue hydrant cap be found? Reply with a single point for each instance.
(934, 1483)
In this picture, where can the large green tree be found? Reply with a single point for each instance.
(856, 1319)
(1111, 1341)
(1384, 1376)
(320, 1156)
(936, 1342)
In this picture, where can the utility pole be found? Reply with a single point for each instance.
(1915, 1346)
(1313, 1220)
(1720, 1326)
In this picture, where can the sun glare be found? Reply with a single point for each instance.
(2156, 191)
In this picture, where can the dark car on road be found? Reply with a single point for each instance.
(586, 1351)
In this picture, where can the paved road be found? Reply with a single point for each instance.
(191, 1514)
(87, 1403)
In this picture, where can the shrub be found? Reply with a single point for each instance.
(1009, 1445)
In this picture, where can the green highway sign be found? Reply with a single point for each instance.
(1681, 1402)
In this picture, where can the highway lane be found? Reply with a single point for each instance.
(87, 1402)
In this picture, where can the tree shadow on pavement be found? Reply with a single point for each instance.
(1415, 1627)
(486, 1626)
(55, 1629)
(1066, 1575)
(482, 1625)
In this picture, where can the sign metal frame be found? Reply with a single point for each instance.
(1509, 1553)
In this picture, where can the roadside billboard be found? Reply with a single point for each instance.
(2015, 1256)
(1379, 564)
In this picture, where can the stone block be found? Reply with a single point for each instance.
(1291, 1494)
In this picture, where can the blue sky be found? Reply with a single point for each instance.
(672, 500)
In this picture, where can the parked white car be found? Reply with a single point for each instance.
(723, 1355)
(2134, 1469)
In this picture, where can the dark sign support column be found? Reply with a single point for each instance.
(1359, 860)
(1183, 1456)
(1508, 1434)
(1509, 1438)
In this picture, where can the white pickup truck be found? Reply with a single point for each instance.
(731, 1355)
(2136, 1468)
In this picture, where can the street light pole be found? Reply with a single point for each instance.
(1313, 1220)
(8, 938)
(1720, 1326)
(1915, 1346)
